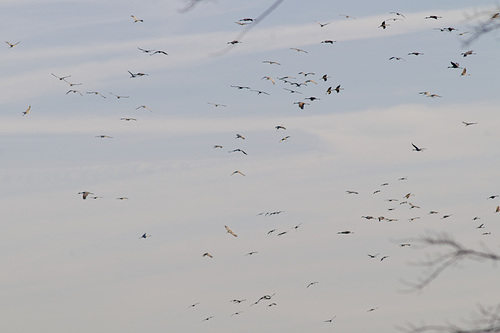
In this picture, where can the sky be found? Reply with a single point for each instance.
(74, 265)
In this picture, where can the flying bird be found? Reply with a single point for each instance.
(251, 253)
(12, 45)
(27, 110)
(347, 232)
(143, 107)
(285, 138)
(301, 104)
(74, 91)
(85, 194)
(464, 72)
(229, 231)
(102, 136)
(433, 17)
(280, 127)
(454, 65)
(268, 78)
(415, 148)
(239, 136)
(217, 105)
(118, 96)
(322, 24)
(207, 254)
(328, 41)
(468, 53)
(238, 171)
(238, 149)
(61, 78)
(136, 19)
(396, 58)
(144, 236)
(330, 320)
(298, 50)
(128, 119)
(468, 124)
(415, 53)
(271, 62)
(95, 93)
(399, 14)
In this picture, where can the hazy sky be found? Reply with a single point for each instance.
(73, 265)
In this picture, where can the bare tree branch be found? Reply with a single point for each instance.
(440, 262)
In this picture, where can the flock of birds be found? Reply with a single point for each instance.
(294, 84)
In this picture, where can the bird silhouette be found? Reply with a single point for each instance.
(136, 19)
(301, 104)
(27, 110)
(85, 194)
(415, 148)
(239, 172)
(144, 236)
(12, 45)
(229, 231)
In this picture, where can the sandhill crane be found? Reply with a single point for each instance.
(433, 17)
(238, 149)
(233, 42)
(330, 320)
(122, 198)
(12, 45)
(74, 91)
(346, 232)
(60, 77)
(325, 77)
(102, 136)
(143, 107)
(301, 104)
(95, 93)
(118, 96)
(278, 127)
(85, 194)
(415, 148)
(405, 244)
(128, 119)
(144, 236)
(146, 51)
(240, 87)
(207, 254)
(285, 138)
(207, 318)
(239, 172)
(216, 104)
(217, 146)
(298, 50)
(312, 98)
(383, 25)
(27, 110)
(384, 257)
(468, 124)
(464, 72)
(373, 256)
(292, 91)
(468, 53)
(193, 305)
(159, 52)
(271, 62)
(322, 24)
(399, 14)
(73, 84)
(134, 75)
(415, 53)
(268, 78)
(328, 41)
(136, 19)
(229, 231)
(239, 136)
(351, 192)
(337, 89)
(259, 92)
(251, 253)
(312, 284)
(497, 209)
(454, 65)
(347, 16)
(237, 301)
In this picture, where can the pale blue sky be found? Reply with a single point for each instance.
(79, 266)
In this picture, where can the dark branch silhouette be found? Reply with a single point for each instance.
(486, 320)
(436, 264)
